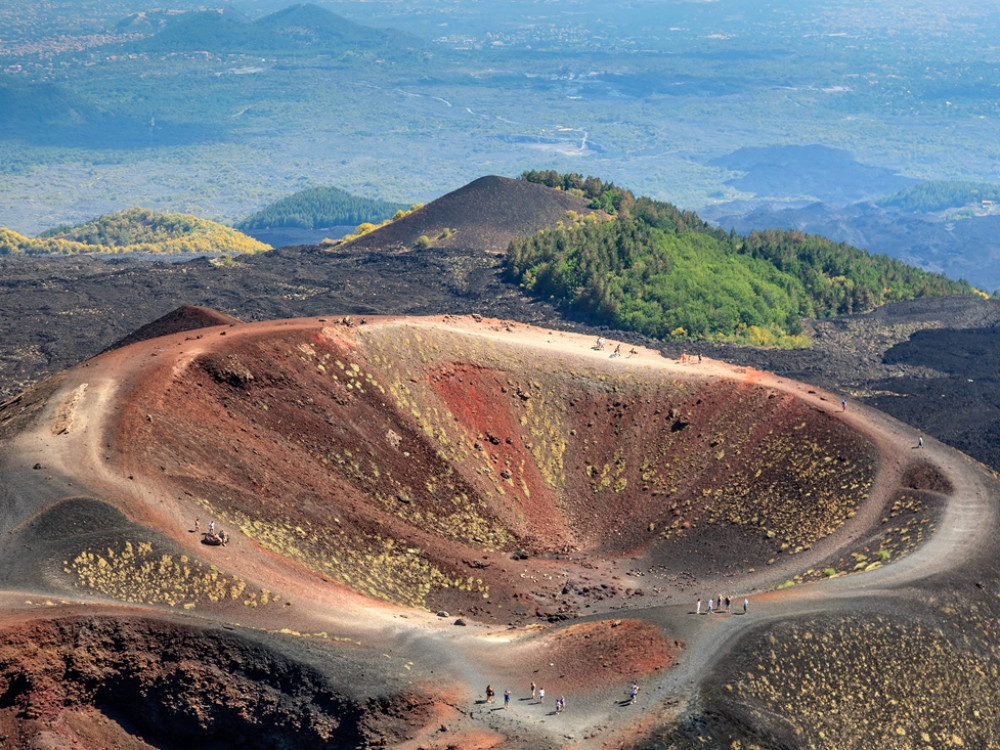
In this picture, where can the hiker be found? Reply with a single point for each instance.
(600, 343)
(534, 688)
(632, 352)
(634, 693)
(489, 693)
(727, 603)
(920, 441)
(561, 704)
(618, 351)
(211, 527)
(541, 695)
(843, 406)
(709, 605)
(697, 608)
(197, 524)
(744, 606)
(506, 699)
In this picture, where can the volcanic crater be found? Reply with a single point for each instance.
(384, 481)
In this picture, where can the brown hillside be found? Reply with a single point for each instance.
(184, 318)
(486, 215)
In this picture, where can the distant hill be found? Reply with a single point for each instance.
(487, 214)
(134, 230)
(45, 114)
(812, 171)
(294, 29)
(320, 207)
(940, 195)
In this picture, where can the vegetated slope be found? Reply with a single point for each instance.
(665, 273)
(485, 215)
(320, 207)
(407, 462)
(134, 230)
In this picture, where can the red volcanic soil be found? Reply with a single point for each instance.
(383, 484)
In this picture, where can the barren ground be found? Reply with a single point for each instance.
(381, 481)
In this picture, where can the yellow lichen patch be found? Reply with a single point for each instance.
(844, 680)
(135, 573)
(376, 566)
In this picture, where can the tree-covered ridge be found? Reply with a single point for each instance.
(320, 207)
(938, 195)
(134, 230)
(665, 273)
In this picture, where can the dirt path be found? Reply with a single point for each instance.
(69, 440)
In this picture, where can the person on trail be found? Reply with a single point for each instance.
(541, 695)
(211, 527)
(718, 602)
(600, 343)
(697, 608)
(561, 704)
(728, 602)
(489, 693)
(618, 350)
(920, 441)
(633, 693)
(506, 698)
(744, 606)
(197, 524)
(534, 689)
(709, 606)
(843, 406)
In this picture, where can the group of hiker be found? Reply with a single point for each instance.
(539, 694)
(599, 346)
(716, 604)
(212, 536)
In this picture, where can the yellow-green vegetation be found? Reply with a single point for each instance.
(401, 354)
(906, 525)
(815, 488)
(792, 476)
(131, 231)
(370, 564)
(136, 573)
(637, 272)
(843, 682)
(448, 509)
(543, 416)
(367, 226)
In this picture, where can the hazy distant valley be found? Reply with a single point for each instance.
(109, 106)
